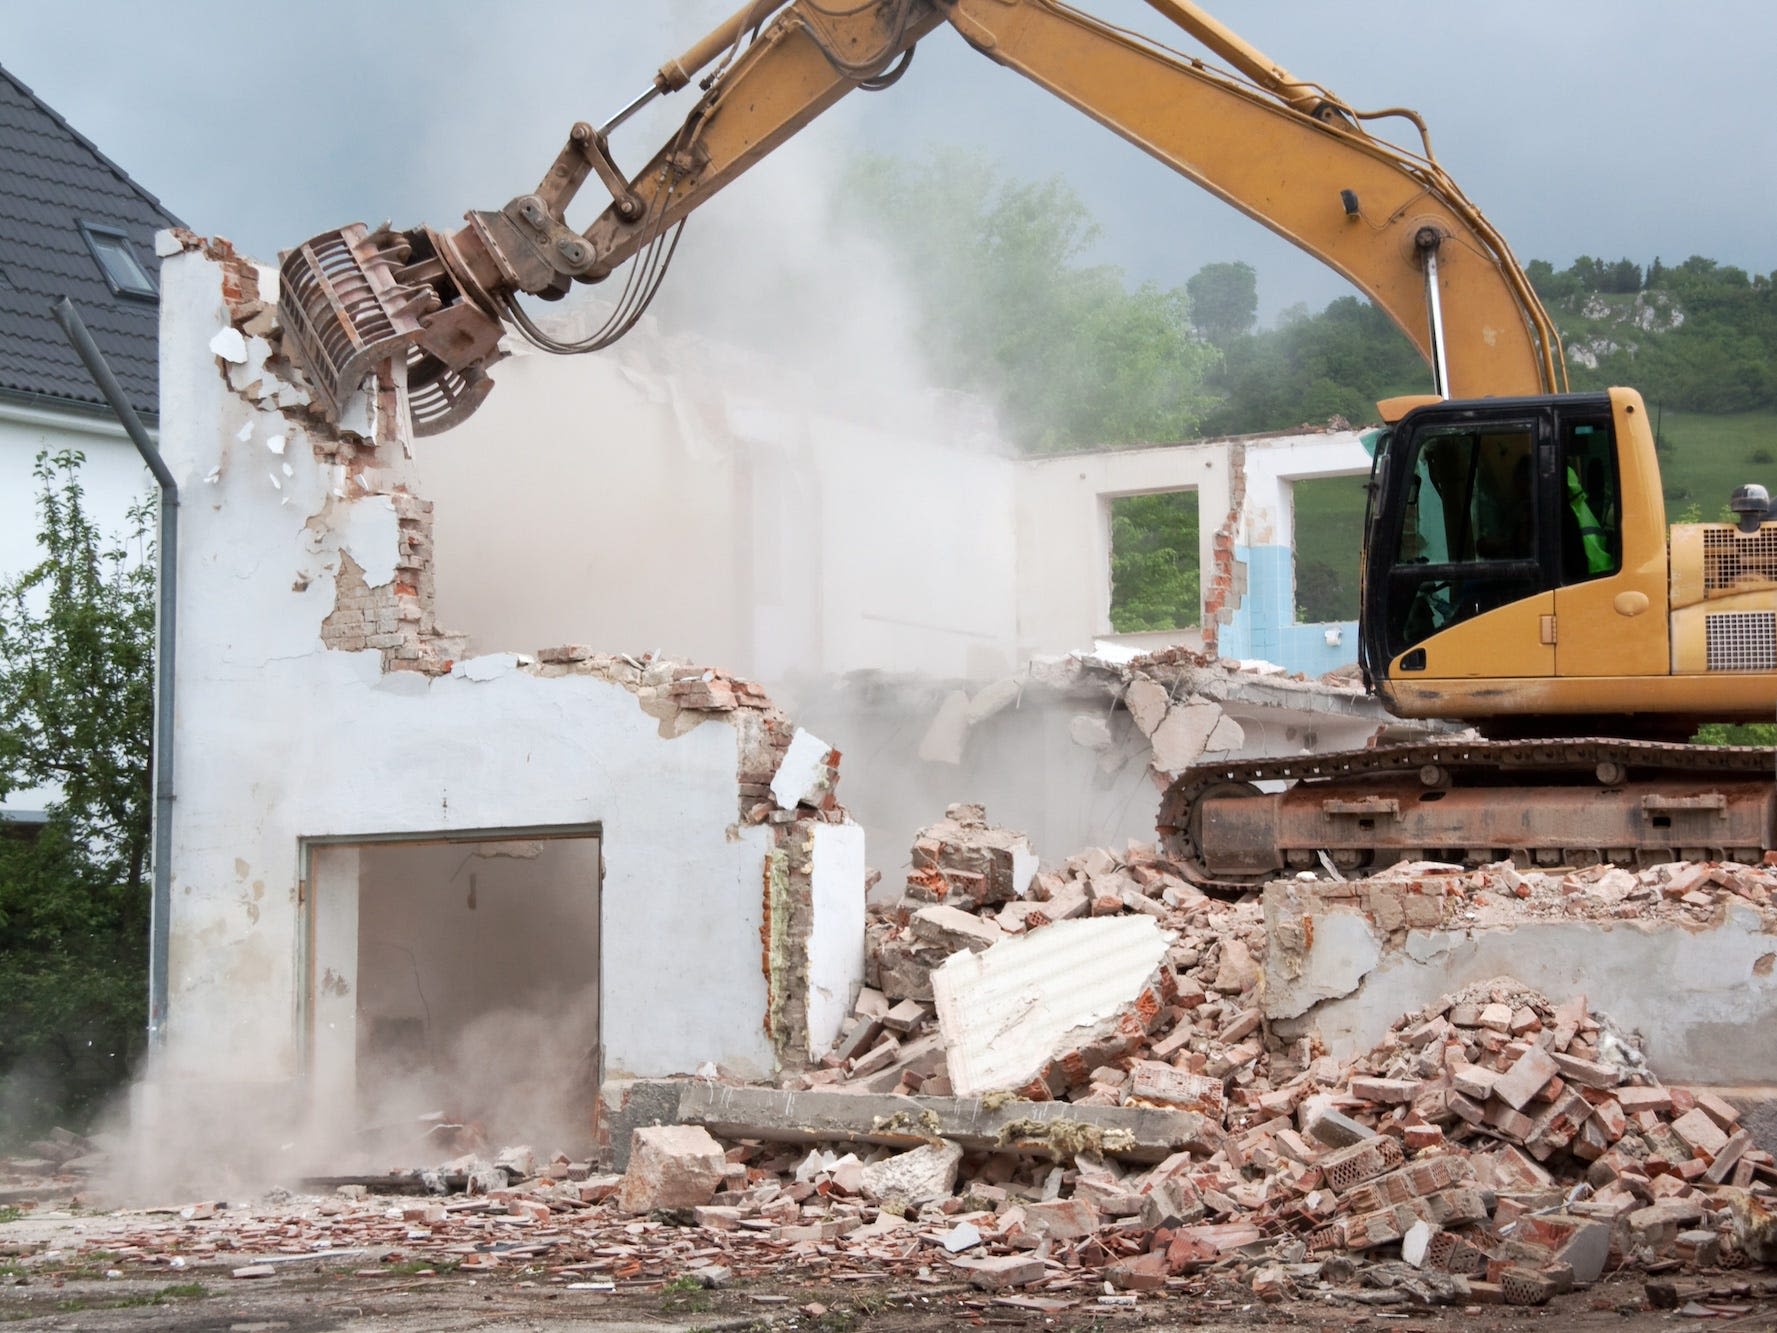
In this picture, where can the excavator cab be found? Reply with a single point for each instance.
(1480, 512)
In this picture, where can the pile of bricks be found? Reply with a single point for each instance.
(972, 885)
(1494, 1137)
(1679, 891)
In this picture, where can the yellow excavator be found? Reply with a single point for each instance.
(1518, 571)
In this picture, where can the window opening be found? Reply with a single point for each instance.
(1329, 539)
(1156, 576)
(117, 260)
(1468, 540)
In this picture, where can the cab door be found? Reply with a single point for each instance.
(1608, 609)
(1467, 589)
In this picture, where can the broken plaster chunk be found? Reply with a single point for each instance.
(802, 777)
(1090, 732)
(229, 345)
(1181, 739)
(1227, 737)
(949, 730)
(1416, 1244)
(1324, 956)
(671, 1166)
(1010, 1012)
(920, 1176)
(249, 372)
(1147, 702)
(951, 929)
(991, 699)
(273, 442)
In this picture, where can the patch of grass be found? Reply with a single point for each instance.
(93, 1264)
(11, 1213)
(1708, 456)
(182, 1291)
(408, 1267)
(170, 1295)
(684, 1295)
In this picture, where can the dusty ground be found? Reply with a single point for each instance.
(54, 1275)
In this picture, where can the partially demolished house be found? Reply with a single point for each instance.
(352, 776)
(414, 871)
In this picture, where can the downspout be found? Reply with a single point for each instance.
(167, 581)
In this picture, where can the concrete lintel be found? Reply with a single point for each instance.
(1134, 1133)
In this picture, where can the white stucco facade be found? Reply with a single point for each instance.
(287, 746)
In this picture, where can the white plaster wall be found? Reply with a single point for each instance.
(1272, 463)
(113, 478)
(669, 494)
(1064, 539)
(836, 941)
(279, 740)
(672, 494)
(587, 501)
(1700, 999)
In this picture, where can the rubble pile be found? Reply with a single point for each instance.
(1496, 1137)
(1058, 1088)
(1680, 891)
(973, 886)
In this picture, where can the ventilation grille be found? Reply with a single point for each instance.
(1730, 560)
(1741, 640)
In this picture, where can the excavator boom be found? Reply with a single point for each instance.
(1286, 152)
(1518, 571)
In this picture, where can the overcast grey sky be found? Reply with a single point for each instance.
(1609, 127)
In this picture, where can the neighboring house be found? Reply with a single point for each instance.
(72, 223)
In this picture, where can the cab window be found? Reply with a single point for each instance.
(1468, 535)
(1590, 509)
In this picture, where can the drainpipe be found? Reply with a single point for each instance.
(167, 582)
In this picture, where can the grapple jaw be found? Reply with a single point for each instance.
(351, 299)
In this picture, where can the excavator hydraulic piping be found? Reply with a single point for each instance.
(634, 106)
(1426, 241)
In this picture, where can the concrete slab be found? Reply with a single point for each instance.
(1008, 1012)
(777, 1115)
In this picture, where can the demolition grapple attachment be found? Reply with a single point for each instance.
(352, 299)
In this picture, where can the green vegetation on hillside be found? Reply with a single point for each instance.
(1072, 354)
(1077, 358)
(1698, 336)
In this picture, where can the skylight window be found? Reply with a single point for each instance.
(117, 260)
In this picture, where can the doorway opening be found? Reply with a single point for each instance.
(453, 998)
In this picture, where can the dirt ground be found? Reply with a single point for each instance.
(52, 1277)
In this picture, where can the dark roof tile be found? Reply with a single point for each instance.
(52, 179)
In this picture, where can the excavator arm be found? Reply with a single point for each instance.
(1285, 152)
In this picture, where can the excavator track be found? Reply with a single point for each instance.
(1537, 803)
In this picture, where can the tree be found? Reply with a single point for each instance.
(1313, 368)
(1155, 580)
(1623, 277)
(1224, 300)
(76, 669)
(1008, 308)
